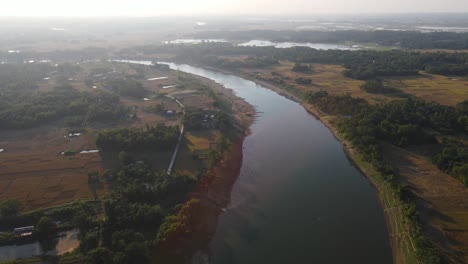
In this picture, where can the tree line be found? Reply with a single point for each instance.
(153, 138)
(138, 205)
(125, 87)
(360, 64)
(23, 105)
(62, 103)
(196, 119)
(453, 159)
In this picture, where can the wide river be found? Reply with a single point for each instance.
(298, 199)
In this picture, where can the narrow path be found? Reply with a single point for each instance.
(182, 130)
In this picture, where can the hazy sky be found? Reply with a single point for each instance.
(184, 7)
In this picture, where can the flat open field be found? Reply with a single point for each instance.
(193, 151)
(202, 140)
(445, 90)
(33, 170)
(442, 199)
(325, 77)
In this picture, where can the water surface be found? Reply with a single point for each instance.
(193, 41)
(284, 45)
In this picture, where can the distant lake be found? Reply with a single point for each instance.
(266, 43)
(284, 45)
(193, 41)
(442, 29)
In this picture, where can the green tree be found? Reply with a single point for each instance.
(48, 244)
(125, 158)
(9, 208)
(89, 241)
(44, 226)
(301, 68)
(98, 255)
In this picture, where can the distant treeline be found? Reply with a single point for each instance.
(377, 86)
(22, 105)
(404, 39)
(65, 103)
(362, 64)
(453, 159)
(125, 87)
(250, 62)
(90, 53)
(153, 138)
(197, 119)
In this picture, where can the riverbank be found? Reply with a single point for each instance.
(196, 221)
(242, 112)
(402, 247)
(200, 213)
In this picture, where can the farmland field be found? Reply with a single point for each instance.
(34, 169)
(441, 197)
(446, 90)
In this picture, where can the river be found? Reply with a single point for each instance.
(266, 43)
(298, 199)
(285, 45)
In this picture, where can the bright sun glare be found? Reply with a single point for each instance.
(184, 7)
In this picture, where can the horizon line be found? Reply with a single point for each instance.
(234, 15)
